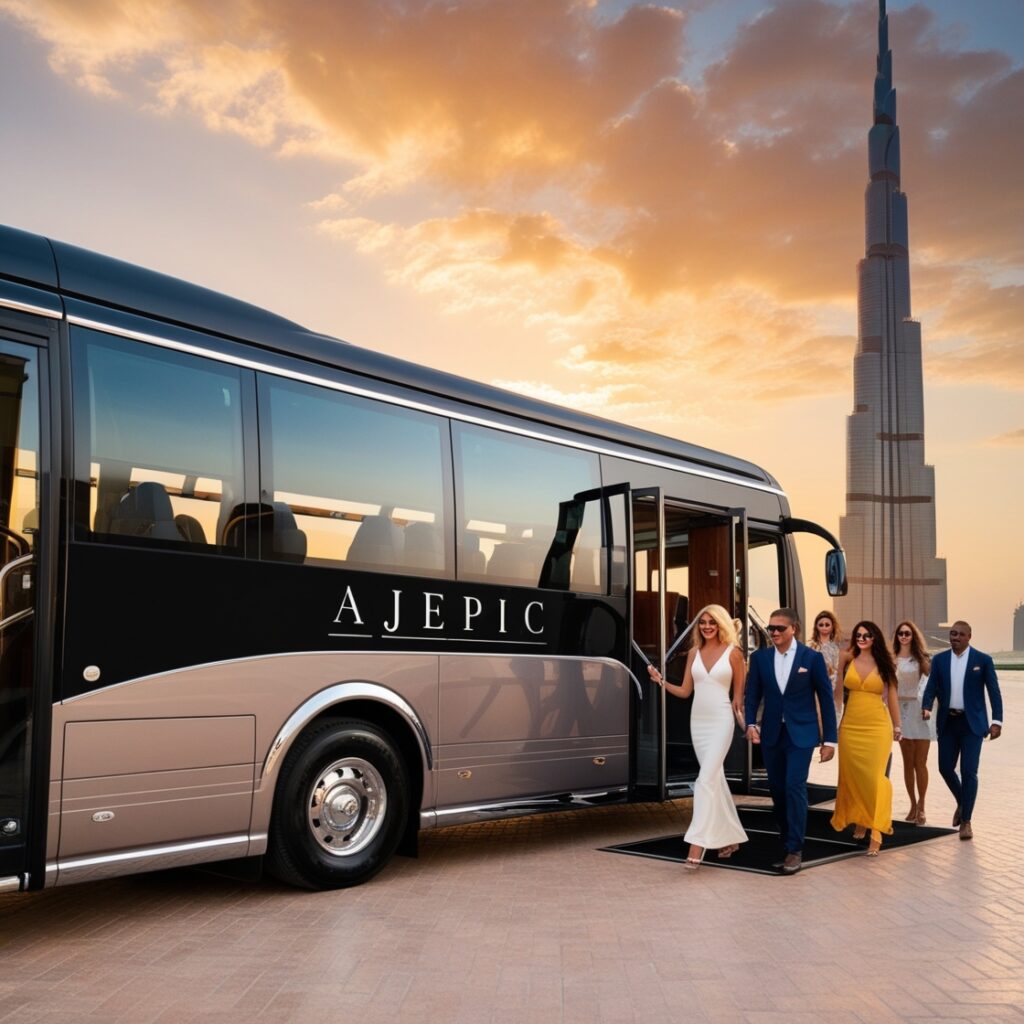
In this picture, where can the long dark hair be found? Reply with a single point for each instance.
(879, 651)
(918, 649)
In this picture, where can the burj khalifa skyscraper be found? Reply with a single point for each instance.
(889, 527)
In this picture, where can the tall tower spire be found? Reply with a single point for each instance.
(889, 527)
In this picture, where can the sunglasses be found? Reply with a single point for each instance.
(863, 636)
(776, 629)
(903, 632)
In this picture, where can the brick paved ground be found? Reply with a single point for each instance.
(526, 921)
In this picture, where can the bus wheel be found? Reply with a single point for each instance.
(340, 806)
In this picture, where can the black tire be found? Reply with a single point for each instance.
(340, 807)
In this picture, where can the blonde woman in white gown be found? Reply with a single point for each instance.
(714, 675)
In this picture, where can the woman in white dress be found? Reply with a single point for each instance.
(912, 668)
(714, 667)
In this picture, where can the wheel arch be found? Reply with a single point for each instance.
(371, 703)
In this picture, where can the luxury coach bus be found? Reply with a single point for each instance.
(267, 594)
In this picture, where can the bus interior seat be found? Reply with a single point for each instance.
(190, 528)
(288, 542)
(517, 562)
(376, 542)
(145, 511)
(472, 561)
(423, 547)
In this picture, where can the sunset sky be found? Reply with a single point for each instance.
(653, 212)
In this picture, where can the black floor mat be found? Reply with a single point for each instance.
(764, 847)
(816, 794)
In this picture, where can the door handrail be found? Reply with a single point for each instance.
(16, 617)
(13, 564)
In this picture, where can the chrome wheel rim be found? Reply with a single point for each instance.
(346, 806)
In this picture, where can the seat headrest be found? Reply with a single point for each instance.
(190, 528)
(145, 511)
(423, 547)
(289, 542)
(376, 542)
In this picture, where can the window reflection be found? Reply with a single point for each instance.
(362, 482)
(161, 436)
(513, 495)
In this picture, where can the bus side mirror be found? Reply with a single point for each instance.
(835, 572)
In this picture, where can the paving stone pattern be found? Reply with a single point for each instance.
(526, 920)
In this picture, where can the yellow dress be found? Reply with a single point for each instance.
(864, 794)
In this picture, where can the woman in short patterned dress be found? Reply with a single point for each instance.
(828, 639)
(912, 668)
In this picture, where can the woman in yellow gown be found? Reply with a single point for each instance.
(870, 724)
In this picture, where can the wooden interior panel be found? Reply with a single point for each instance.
(709, 567)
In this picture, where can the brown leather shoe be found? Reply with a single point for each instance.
(956, 816)
(792, 864)
(966, 832)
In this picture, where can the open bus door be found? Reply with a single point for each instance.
(682, 558)
(24, 711)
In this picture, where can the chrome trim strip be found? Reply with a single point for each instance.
(29, 307)
(467, 813)
(340, 694)
(12, 883)
(173, 850)
(306, 378)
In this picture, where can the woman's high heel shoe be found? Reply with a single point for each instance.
(692, 863)
(727, 851)
(912, 814)
(921, 819)
(876, 843)
(859, 833)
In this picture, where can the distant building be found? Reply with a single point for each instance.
(1018, 628)
(889, 527)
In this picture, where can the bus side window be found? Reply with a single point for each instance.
(510, 492)
(158, 444)
(364, 482)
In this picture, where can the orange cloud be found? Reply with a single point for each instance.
(577, 185)
(1015, 438)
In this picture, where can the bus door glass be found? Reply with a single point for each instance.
(648, 634)
(683, 559)
(19, 527)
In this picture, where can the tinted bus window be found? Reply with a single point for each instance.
(511, 492)
(353, 480)
(158, 436)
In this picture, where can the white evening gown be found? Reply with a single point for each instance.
(715, 822)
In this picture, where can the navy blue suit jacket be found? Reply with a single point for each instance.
(795, 710)
(979, 677)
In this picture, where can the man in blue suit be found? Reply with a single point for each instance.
(959, 679)
(788, 676)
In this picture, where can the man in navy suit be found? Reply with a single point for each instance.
(788, 676)
(959, 679)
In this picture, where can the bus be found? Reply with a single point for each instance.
(266, 594)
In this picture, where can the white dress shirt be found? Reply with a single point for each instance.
(783, 664)
(957, 673)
